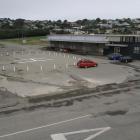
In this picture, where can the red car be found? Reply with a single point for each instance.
(85, 63)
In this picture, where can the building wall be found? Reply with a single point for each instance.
(132, 46)
(79, 47)
(132, 50)
(135, 53)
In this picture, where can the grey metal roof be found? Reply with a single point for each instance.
(122, 35)
(118, 45)
(79, 38)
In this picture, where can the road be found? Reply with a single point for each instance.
(111, 117)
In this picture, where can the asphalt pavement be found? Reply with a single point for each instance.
(108, 115)
(112, 117)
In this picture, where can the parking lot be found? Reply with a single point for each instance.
(109, 111)
(29, 71)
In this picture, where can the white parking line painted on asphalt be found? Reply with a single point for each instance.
(26, 62)
(62, 136)
(99, 133)
(30, 60)
(44, 126)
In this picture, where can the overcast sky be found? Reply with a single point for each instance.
(69, 9)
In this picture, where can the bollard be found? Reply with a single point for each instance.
(64, 56)
(54, 66)
(41, 68)
(14, 68)
(27, 68)
(7, 54)
(74, 64)
(3, 68)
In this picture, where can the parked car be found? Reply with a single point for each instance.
(85, 63)
(126, 59)
(120, 58)
(114, 56)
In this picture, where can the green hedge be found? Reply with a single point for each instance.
(16, 33)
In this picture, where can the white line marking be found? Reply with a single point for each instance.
(26, 62)
(32, 60)
(97, 134)
(21, 60)
(44, 126)
(58, 137)
(61, 136)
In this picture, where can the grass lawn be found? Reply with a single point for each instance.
(29, 40)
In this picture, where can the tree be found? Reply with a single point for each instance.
(104, 21)
(98, 20)
(5, 25)
(19, 23)
(58, 22)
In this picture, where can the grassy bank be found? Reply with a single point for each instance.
(28, 40)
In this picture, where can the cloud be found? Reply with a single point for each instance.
(69, 9)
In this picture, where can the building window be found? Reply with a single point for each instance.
(137, 50)
(117, 50)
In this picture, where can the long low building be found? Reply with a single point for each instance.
(97, 44)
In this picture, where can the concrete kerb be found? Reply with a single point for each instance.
(67, 97)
